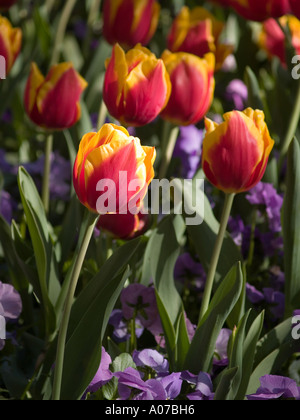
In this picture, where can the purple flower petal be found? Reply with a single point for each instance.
(10, 302)
(151, 358)
(275, 387)
(103, 374)
(172, 385)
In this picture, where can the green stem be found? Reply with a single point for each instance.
(62, 335)
(61, 30)
(94, 12)
(132, 335)
(167, 151)
(102, 115)
(292, 127)
(46, 175)
(252, 239)
(216, 254)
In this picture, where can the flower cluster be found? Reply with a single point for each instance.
(149, 197)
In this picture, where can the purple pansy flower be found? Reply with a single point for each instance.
(275, 387)
(151, 358)
(139, 301)
(265, 194)
(7, 206)
(186, 268)
(10, 305)
(237, 93)
(188, 150)
(204, 388)
(220, 358)
(236, 227)
(120, 332)
(276, 300)
(103, 375)
(254, 295)
(172, 385)
(131, 386)
(10, 302)
(60, 175)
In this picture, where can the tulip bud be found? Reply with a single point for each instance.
(136, 86)
(193, 84)
(6, 4)
(112, 171)
(124, 226)
(10, 42)
(272, 38)
(130, 22)
(53, 102)
(197, 32)
(258, 10)
(236, 152)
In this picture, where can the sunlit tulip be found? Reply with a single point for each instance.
(112, 171)
(236, 152)
(130, 22)
(193, 83)
(136, 86)
(52, 102)
(198, 32)
(272, 38)
(10, 43)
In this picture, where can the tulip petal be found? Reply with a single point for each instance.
(233, 164)
(60, 91)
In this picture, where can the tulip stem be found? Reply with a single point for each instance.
(292, 127)
(46, 175)
(61, 30)
(62, 335)
(94, 11)
(215, 255)
(167, 151)
(102, 115)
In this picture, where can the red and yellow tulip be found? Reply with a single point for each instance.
(124, 226)
(112, 171)
(6, 4)
(295, 8)
(258, 10)
(130, 22)
(10, 42)
(136, 86)
(272, 38)
(52, 102)
(198, 32)
(236, 152)
(193, 84)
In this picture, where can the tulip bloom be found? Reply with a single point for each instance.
(236, 152)
(10, 43)
(6, 4)
(136, 86)
(295, 8)
(130, 22)
(52, 102)
(112, 171)
(258, 10)
(193, 84)
(197, 32)
(272, 38)
(124, 226)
